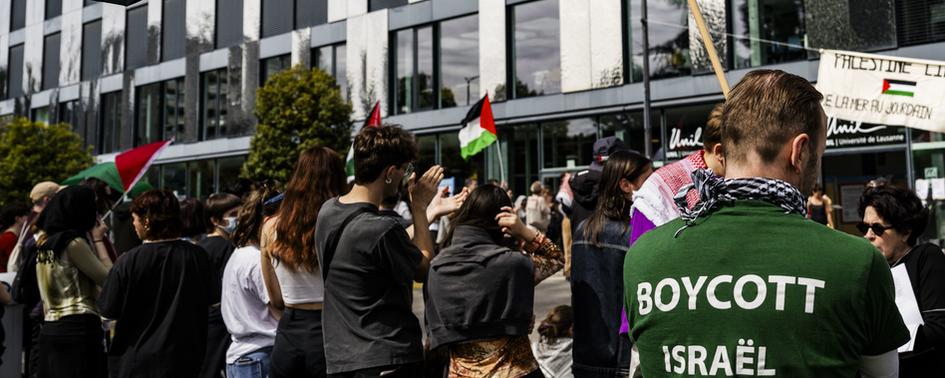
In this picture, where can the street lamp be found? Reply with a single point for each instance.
(468, 83)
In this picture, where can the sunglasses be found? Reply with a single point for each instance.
(407, 173)
(877, 228)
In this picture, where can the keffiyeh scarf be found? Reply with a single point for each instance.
(714, 191)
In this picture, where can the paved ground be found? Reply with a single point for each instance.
(552, 292)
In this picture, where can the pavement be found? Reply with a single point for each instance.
(552, 292)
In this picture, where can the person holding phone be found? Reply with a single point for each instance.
(480, 289)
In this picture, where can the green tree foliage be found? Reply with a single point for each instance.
(297, 109)
(31, 152)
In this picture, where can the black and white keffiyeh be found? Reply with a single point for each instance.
(713, 191)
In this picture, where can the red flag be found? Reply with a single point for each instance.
(132, 164)
(375, 119)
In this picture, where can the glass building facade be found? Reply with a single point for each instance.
(560, 74)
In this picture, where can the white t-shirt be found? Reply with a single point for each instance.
(244, 304)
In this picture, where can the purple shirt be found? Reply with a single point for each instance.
(639, 225)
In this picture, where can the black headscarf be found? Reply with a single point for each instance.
(70, 214)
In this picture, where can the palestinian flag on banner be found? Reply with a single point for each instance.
(899, 87)
(478, 129)
(372, 121)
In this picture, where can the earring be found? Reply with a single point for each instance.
(388, 181)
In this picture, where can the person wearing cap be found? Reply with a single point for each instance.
(584, 183)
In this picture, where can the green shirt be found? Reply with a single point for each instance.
(751, 291)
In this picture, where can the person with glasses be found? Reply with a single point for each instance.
(369, 262)
(893, 219)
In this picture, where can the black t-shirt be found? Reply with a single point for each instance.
(219, 250)
(367, 319)
(159, 294)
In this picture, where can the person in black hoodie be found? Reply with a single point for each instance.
(893, 219)
(584, 184)
(480, 288)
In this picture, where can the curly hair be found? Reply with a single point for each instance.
(376, 148)
(251, 216)
(161, 210)
(901, 208)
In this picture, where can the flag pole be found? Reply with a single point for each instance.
(498, 150)
(647, 127)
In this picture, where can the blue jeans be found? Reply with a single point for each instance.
(252, 365)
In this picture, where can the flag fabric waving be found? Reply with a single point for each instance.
(133, 164)
(374, 120)
(478, 130)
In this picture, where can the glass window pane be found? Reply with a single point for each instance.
(404, 71)
(426, 94)
(51, 48)
(136, 38)
(537, 53)
(18, 21)
(229, 23)
(310, 13)
(426, 144)
(174, 178)
(173, 34)
(211, 104)
(174, 109)
(780, 21)
(91, 50)
(520, 144)
(110, 124)
(459, 61)
(323, 59)
(669, 38)
(274, 65)
(277, 17)
(148, 110)
(374, 5)
(684, 128)
(569, 143)
(201, 178)
(920, 21)
(69, 114)
(629, 127)
(53, 8)
(341, 69)
(15, 83)
(229, 171)
(40, 115)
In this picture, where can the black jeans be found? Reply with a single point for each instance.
(396, 371)
(72, 346)
(299, 350)
(218, 340)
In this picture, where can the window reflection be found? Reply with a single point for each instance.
(173, 33)
(200, 174)
(51, 61)
(459, 61)
(403, 85)
(277, 17)
(685, 128)
(174, 178)
(274, 65)
(214, 101)
(425, 88)
(333, 61)
(136, 41)
(91, 50)
(755, 22)
(229, 25)
(160, 112)
(228, 170)
(520, 143)
(15, 78)
(537, 58)
(920, 21)
(669, 38)
(568, 143)
(109, 135)
(629, 127)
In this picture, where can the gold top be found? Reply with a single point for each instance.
(64, 288)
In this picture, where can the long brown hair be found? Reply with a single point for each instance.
(480, 210)
(612, 203)
(251, 216)
(319, 175)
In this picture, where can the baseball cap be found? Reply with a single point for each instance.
(45, 188)
(604, 147)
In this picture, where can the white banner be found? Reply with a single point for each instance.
(883, 90)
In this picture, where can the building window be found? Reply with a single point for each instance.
(669, 39)
(568, 143)
(459, 61)
(173, 34)
(374, 5)
(18, 18)
(91, 50)
(536, 49)
(109, 134)
(51, 47)
(333, 60)
(214, 86)
(413, 64)
(271, 66)
(136, 38)
(68, 113)
(40, 115)
(275, 13)
(15, 81)
(160, 111)
(200, 177)
(310, 13)
(229, 23)
(228, 173)
(767, 32)
(53, 8)
(629, 128)
(920, 21)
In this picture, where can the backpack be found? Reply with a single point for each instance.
(26, 286)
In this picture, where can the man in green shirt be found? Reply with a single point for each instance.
(743, 284)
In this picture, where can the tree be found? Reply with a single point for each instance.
(297, 109)
(31, 152)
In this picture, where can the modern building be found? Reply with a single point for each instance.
(189, 69)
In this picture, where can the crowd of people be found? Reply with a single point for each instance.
(711, 265)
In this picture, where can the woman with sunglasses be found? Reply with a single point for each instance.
(893, 219)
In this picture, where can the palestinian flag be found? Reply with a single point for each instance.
(133, 164)
(478, 129)
(899, 87)
(373, 121)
